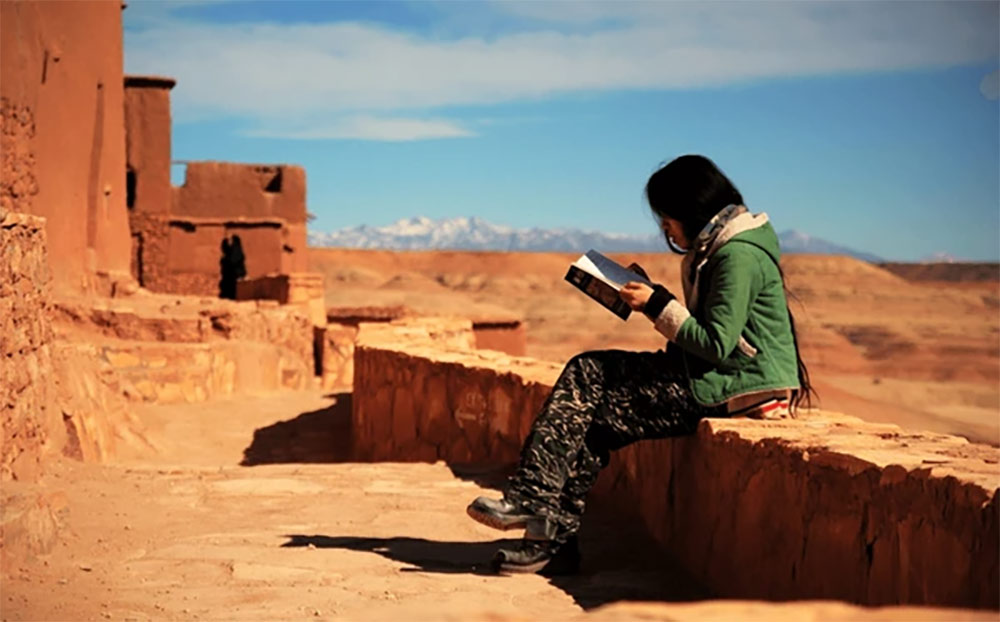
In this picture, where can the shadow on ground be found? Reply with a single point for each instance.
(619, 561)
(324, 436)
(319, 436)
(616, 565)
(422, 555)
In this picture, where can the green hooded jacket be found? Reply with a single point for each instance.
(741, 294)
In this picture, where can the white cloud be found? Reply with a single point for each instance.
(270, 73)
(391, 129)
(990, 86)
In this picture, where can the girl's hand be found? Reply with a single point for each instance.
(634, 267)
(636, 294)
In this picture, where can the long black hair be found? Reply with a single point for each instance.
(692, 190)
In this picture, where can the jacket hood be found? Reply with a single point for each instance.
(763, 237)
(733, 223)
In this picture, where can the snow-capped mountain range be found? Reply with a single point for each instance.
(477, 234)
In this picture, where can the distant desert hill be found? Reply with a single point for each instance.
(951, 272)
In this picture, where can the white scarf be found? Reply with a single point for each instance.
(728, 223)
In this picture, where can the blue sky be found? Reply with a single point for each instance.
(874, 125)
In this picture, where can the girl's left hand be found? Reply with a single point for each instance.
(636, 294)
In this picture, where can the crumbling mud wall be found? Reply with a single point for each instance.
(186, 349)
(179, 234)
(502, 335)
(252, 193)
(28, 415)
(66, 162)
(826, 506)
(183, 255)
(179, 241)
(55, 397)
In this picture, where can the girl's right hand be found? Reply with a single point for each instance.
(636, 295)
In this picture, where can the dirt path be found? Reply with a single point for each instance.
(191, 534)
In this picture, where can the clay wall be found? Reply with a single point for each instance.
(826, 506)
(170, 349)
(232, 190)
(26, 403)
(177, 233)
(147, 148)
(55, 397)
(251, 192)
(507, 336)
(182, 255)
(178, 242)
(303, 290)
(66, 162)
(336, 343)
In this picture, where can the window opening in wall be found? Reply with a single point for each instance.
(274, 183)
(178, 172)
(130, 188)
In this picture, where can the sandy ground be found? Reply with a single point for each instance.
(190, 533)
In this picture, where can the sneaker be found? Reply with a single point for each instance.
(499, 513)
(546, 557)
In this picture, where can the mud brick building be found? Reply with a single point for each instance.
(66, 163)
(178, 232)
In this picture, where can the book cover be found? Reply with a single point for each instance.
(601, 278)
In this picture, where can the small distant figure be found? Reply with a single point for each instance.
(233, 266)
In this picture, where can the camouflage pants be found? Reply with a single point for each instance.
(603, 401)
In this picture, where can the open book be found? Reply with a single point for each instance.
(602, 279)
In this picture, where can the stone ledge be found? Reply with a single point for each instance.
(826, 506)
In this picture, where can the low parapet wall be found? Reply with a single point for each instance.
(503, 333)
(826, 506)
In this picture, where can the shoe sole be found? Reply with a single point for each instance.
(549, 567)
(491, 520)
(522, 569)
